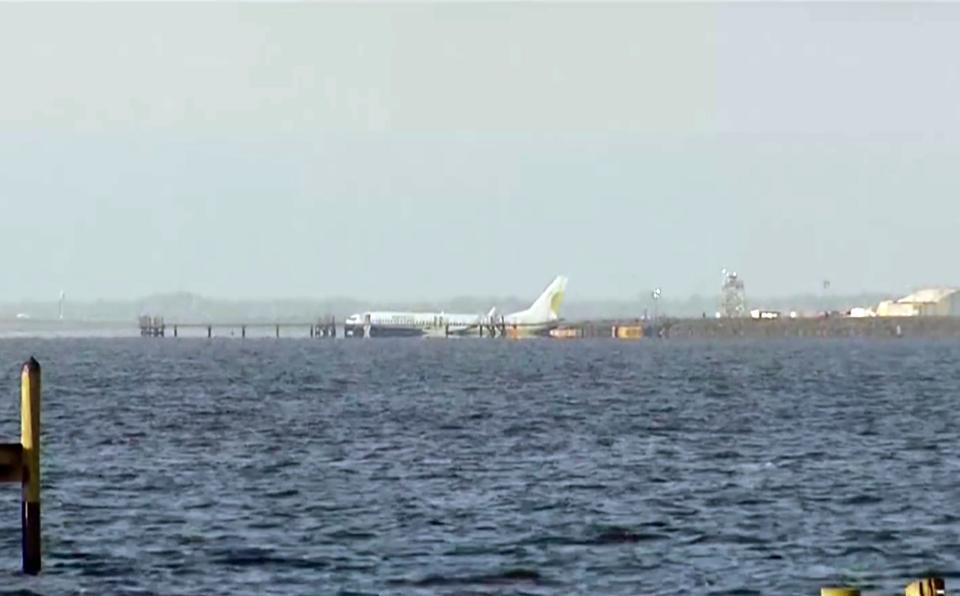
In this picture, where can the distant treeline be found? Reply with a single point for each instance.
(189, 307)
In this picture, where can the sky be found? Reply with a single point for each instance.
(420, 151)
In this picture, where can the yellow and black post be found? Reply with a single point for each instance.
(930, 586)
(20, 462)
(30, 440)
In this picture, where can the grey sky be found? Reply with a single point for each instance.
(424, 151)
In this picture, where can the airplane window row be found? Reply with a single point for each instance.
(411, 322)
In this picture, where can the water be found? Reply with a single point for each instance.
(483, 466)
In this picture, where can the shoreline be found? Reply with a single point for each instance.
(665, 329)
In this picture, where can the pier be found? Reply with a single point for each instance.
(823, 327)
(619, 329)
(746, 328)
(325, 327)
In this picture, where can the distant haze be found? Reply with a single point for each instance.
(417, 152)
(186, 308)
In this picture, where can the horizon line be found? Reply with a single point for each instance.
(640, 297)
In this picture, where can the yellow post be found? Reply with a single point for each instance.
(931, 586)
(839, 592)
(30, 440)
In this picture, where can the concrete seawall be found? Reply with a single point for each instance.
(930, 327)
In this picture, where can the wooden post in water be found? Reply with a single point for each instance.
(278, 331)
(30, 440)
(243, 332)
(209, 331)
(931, 586)
(175, 331)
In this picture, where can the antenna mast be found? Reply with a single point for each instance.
(733, 300)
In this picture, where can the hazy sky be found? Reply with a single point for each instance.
(426, 151)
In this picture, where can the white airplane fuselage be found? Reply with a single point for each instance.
(542, 316)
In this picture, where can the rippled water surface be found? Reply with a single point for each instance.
(486, 466)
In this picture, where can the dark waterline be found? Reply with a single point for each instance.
(538, 467)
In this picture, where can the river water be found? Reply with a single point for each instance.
(303, 466)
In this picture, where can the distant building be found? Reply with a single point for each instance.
(931, 302)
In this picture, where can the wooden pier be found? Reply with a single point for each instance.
(325, 327)
(617, 329)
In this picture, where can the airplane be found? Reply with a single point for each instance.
(542, 316)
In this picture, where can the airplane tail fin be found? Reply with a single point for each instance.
(547, 306)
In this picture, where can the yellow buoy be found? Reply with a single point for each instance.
(839, 592)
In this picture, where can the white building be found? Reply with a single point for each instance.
(930, 302)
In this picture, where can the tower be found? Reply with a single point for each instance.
(733, 300)
(655, 294)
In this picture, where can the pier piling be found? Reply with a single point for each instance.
(20, 462)
(931, 586)
(30, 441)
